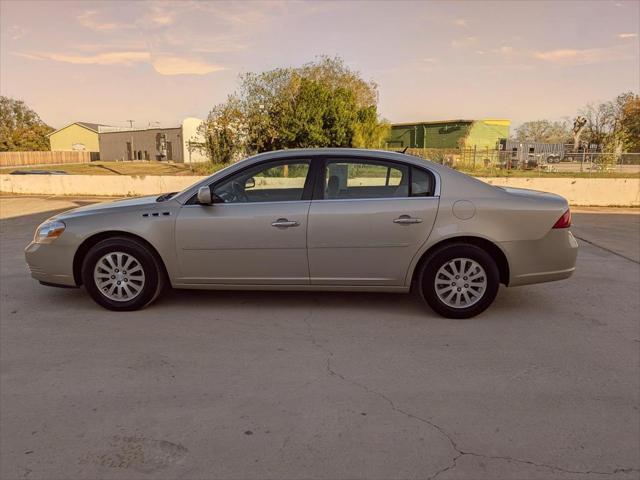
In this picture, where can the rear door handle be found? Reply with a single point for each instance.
(407, 220)
(284, 223)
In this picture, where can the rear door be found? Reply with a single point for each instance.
(367, 220)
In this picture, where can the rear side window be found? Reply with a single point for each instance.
(422, 183)
(358, 179)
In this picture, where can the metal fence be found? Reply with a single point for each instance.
(491, 161)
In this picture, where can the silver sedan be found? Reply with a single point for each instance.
(324, 219)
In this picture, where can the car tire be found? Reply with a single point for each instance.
(110, 285)
(459, 280)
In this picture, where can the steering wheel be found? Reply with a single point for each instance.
(238, 193)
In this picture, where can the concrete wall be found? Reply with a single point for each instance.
(113, 145)
(191, 135)
(599, 192)
(100, 185)
(74, 137)
(579, 191)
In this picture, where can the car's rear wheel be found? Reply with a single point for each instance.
(122, 274)
(459, 280)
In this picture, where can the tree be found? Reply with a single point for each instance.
(369, 131)
(630, 124)
(21, 129)
(598, 125)
(613, 124)
(318, 117)
(321, 104)
(333, 72)
(264, 97)
(224, 132)
(543, 131)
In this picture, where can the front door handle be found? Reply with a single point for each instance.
(407, 220)
(284, 223)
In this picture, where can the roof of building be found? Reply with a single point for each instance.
(104, 129)
(459, 120)
(89, 126)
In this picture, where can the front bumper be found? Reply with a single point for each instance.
(51, 263)
(553, 257)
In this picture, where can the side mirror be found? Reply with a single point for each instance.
(204, 196)
(250, 183)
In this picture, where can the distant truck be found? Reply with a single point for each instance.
(528, 155)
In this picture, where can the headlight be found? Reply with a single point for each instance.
(49, 231)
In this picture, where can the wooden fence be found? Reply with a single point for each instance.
(21, 159)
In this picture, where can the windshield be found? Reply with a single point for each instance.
(165, 196)
(201, 179)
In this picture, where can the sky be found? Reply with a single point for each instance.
(158, 62)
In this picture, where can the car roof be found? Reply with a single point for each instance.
(339, 152)
(317, 153)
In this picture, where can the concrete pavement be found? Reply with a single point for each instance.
(252, 385)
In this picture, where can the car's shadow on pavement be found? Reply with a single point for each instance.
(182, 303)
(507, 301)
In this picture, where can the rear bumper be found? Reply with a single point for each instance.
(548, 259)
(51, 263)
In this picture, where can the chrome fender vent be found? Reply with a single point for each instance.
(156, 214)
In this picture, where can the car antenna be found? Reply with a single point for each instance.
(405, 149)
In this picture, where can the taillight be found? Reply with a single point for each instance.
(564, 221)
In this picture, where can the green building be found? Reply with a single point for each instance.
(449, 134)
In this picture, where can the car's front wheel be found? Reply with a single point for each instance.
(459, 280)
(122, 274)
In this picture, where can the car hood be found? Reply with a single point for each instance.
(107, 207)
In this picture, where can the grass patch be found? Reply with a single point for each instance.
(124, 168)
(540, 174)
(207, 168)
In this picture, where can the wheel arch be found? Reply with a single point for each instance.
(490, 247)
(89, 242)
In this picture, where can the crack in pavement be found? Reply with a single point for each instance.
(608, 250)
(460, 453)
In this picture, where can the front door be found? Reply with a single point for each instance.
(256, 235)
(369, 221)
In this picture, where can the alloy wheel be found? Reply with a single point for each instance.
(460, 283)
(119, 276)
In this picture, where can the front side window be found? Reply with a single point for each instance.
(275, 182)
(360, 179)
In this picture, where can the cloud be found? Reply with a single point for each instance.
(163, 64)
(108, 58)
(245, 14)
(16, 32)
(464, 42)
(585, 56)
(89, 20)
(158, 16)
(627, 35)
(460, 22)
(171, 65)
(504, 50)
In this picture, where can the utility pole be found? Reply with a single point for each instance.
(133, 152)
